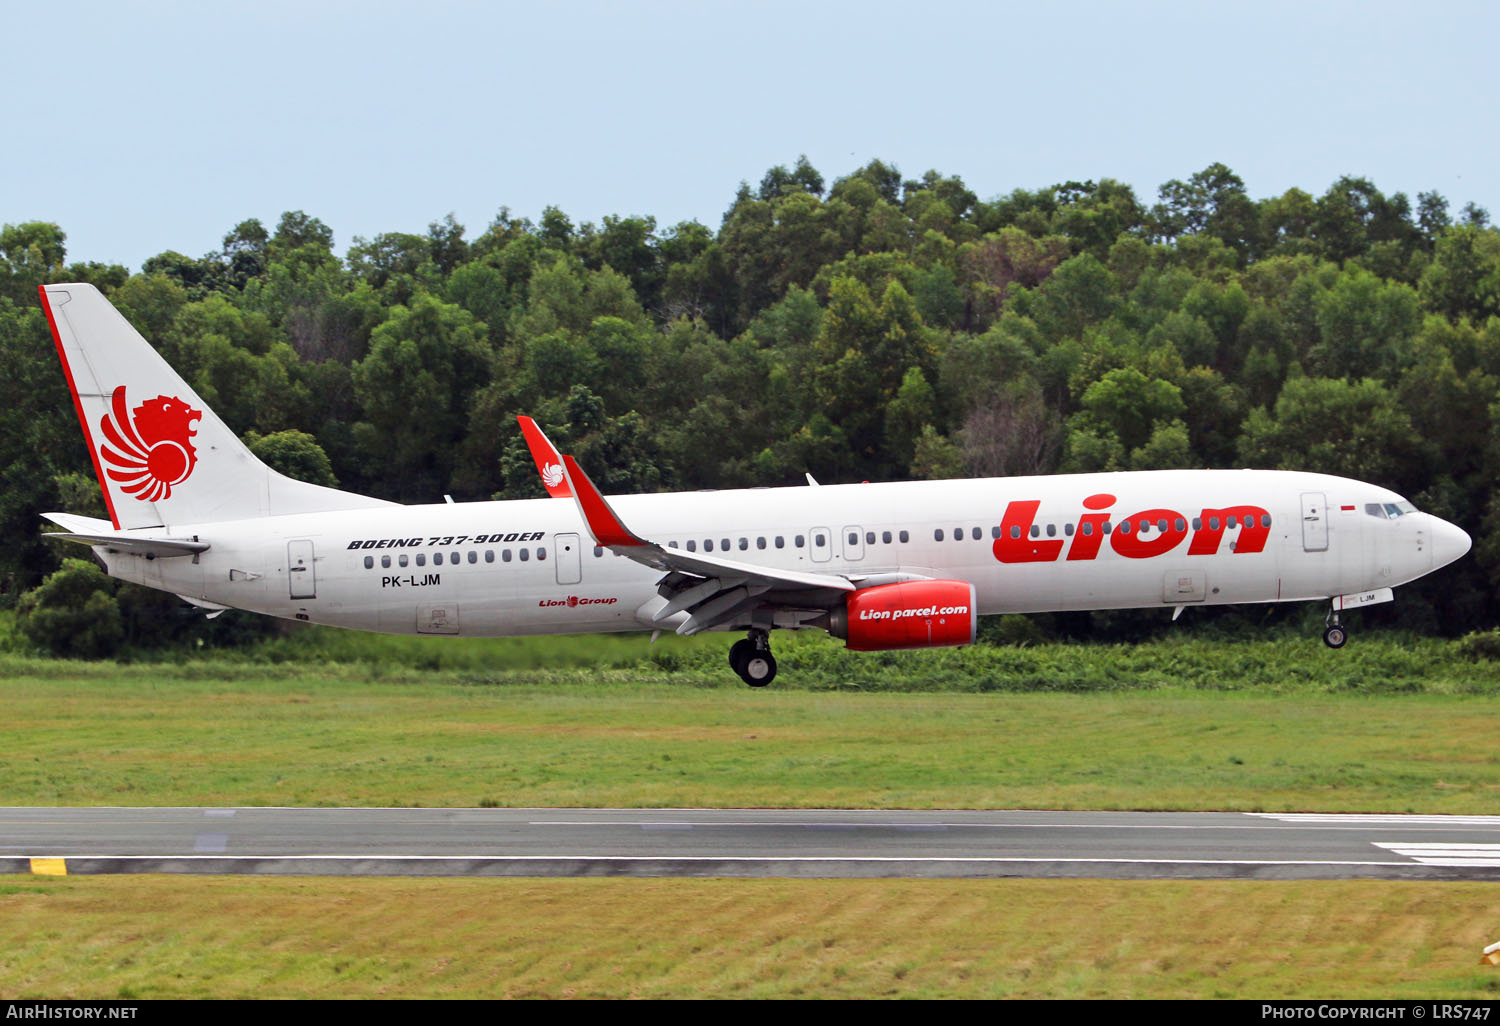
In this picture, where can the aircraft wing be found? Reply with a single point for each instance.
(710, 591)
(548, 462)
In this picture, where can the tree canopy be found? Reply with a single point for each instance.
(872, 326)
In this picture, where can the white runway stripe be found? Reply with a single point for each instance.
(1394, 819)
(1437, 854)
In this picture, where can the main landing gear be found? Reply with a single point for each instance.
(1334, 634)
(751, 658)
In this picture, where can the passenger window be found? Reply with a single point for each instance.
(541, 553)
(692, 545)
(958, 534)
(885, 536)
(385, 562)
(453, 558)
(975, 533)
(1213, 523)
(708, 544)
(798, 541)
(599, 549)
(421, 559)
(1068, 530)
(1161, 525)
(1233, 523)
(1051, 530)
(870, 537)
(937, 535)
(1181, 524)
(995, 531)
(1124, 526)
(505, 555)
(437, 559)
(473, 556)
(760, 543)
(369, 562)
(525, 555)
(1036, 531)
(853, 537)
(904, 536)
(744, 544)
(1088, 528)
(1015, 530)
(1265, 520)
(819, 540)
(489, 555)
(724, 544)
(1197, 523)
(401, 559)
(780, 542)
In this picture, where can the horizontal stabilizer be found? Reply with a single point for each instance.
(151, 548)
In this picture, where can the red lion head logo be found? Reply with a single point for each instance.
(149, 449)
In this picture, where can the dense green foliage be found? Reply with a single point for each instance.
(872, 328)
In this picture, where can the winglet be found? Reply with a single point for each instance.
(603, 524)
(548, 462)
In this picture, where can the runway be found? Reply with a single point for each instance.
(748, 843)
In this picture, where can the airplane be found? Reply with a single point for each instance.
(881, 566)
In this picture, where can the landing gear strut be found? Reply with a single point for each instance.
(1334, 634)
(751, 658)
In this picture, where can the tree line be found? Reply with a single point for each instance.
(875, 328)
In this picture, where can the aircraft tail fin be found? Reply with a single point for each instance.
(161, 455)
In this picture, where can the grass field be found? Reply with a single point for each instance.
(160, 937)
(1388, 725)
(356, 734)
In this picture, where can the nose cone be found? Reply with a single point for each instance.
(1449, 542)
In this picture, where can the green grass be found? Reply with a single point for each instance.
(363, 734)
(329, 718)
(142, 937)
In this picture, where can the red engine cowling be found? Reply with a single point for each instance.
(911, 614)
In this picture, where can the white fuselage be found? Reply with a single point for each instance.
(531, 567)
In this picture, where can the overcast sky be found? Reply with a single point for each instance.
(141, 127)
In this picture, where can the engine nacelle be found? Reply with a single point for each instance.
(911, 614)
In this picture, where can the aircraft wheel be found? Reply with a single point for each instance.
(1335, 636)
(738, 653)
(759, 668)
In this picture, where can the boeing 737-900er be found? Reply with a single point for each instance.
(882, 566)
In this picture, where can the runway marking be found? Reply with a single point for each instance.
(1350, 823)
(1439, 854)
(757, 859)
(1381, 818)
(49, 867)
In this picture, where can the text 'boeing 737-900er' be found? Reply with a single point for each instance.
(882, 566)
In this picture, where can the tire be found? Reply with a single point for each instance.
(1335, 636)
(759, 669)
(738, 653)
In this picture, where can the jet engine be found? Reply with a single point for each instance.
(909, 614)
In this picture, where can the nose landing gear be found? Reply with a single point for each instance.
(751, 658)
(1334, 634)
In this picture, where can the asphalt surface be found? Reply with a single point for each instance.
(748, 843)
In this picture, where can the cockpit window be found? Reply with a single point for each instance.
(1389, 510)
